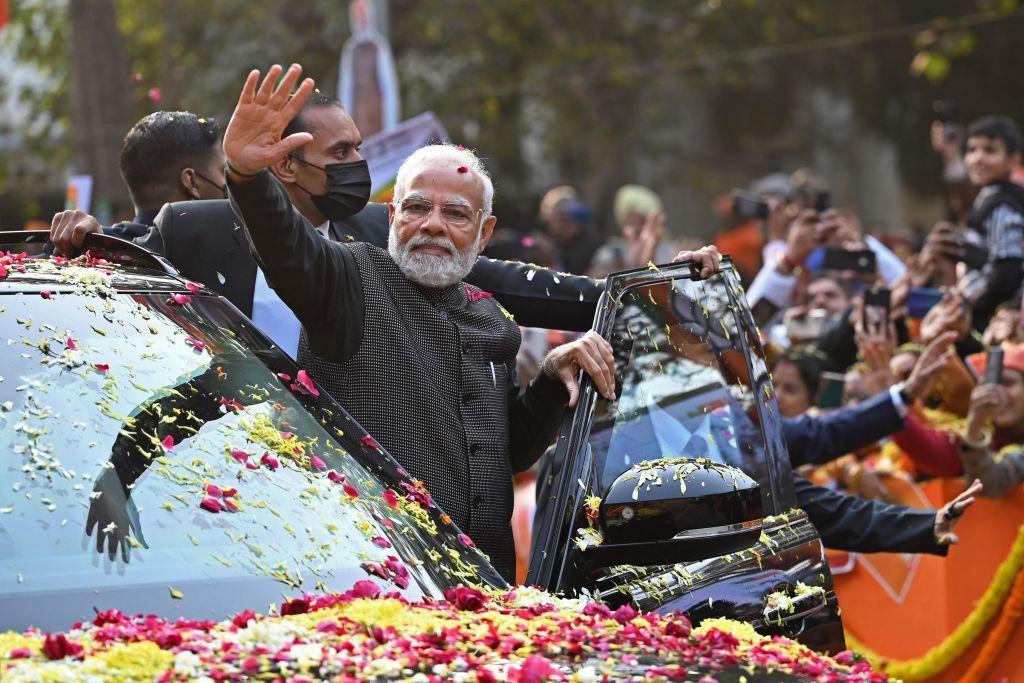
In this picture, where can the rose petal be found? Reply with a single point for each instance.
(269, 461)
(305, 383)
(168, 443)
(350, 490)
(213, 490)
(210, 504)
(240, 456)
(317, 462)
(336, 476)
(70, 344)
(46, 294)
(179, 300)
(193, 287)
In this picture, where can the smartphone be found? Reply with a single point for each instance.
(994, 365)
(822, 201)
(860, 261)
(807, 327)
(748, 205)
(830, 395)
(921, 300)
(878, 299)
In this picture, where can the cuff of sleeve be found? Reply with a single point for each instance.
(896, 393)
(547, 389)
(256, 187)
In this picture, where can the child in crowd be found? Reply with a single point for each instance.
(997, 216)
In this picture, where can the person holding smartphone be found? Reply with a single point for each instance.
(992, 447)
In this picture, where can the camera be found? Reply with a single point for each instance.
(749, 206)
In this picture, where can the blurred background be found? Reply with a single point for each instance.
(689, 99)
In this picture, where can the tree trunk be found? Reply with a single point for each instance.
(101, 103)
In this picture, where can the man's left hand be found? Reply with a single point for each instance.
(707, 258)
(949, 514)
(591, 353)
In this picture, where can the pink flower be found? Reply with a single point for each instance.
(335, 476)
(350, 490)
(624, 614)
(168, 443)
(269, 461)
(475, 295)
(20, 653)
(242, 619)
(390, 499)
(381, 542)
(251, 666)
(466, 541)
(154, 95)
(213, 490)
(179, 299)
(71, 345)
(195, 343)
(210, 504)
(101, 367)
(46, 294)
(317, 462)
(287, 436)
(304, 384)
(365, 589)
(536, 669)
(465, 599)
(59, 647)
(240, 456)
(296, 606)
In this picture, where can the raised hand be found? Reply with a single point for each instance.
(949, 514)
(933, 359)
(252, 140)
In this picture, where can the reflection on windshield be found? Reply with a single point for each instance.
(685, 390)
(150, 456)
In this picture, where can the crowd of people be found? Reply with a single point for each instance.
(884, 356)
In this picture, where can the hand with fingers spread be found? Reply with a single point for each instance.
(933, 359)
(252, 140)
(593, 355)
(707, 258)
(68, 231)
(949, 514)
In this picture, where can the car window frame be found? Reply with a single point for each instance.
(571, 460)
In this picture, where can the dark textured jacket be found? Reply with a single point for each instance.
(428, 372)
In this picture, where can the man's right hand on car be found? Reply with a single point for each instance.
(69, 229)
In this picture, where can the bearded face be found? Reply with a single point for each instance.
(442, 266)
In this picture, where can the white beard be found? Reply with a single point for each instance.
(430, 270)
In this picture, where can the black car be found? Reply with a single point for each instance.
(157, 451)
(678, 495)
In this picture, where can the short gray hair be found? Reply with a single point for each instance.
(448, 154)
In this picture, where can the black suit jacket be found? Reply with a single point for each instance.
(205, 241)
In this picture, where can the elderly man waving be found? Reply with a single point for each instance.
(424, 361)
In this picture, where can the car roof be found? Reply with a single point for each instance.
(129, 267)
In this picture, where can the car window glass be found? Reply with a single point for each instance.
(214, 478)
(684, 384)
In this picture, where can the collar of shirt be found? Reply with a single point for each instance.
(324, 229)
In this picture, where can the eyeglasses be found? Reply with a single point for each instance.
(222, 188)
(455, 215)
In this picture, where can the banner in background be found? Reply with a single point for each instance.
(384, 152)
(367, 79)
(79, 193)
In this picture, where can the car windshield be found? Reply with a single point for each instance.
(160, 456)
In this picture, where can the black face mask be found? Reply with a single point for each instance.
(348, 189)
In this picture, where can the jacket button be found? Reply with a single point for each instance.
(466, 347)
(474, 448)
(443, 314)
(466, 398)
(477, 500)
